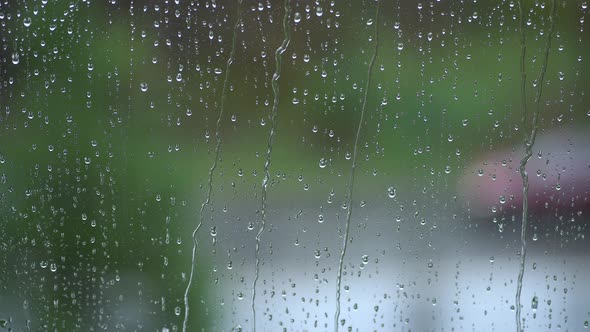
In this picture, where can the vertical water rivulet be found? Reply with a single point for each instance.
(213, 166)
(530, 132)
(273, 126)
(352, 171)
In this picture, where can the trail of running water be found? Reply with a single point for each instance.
(273, 124)
(528, 143)
(213, 166)
(352, 170)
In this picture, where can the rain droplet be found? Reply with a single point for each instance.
(365, 259)
(15, 58)
(143, 86)
(391, 192)
(319, 11)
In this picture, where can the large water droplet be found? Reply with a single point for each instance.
(319, 11)
(15, 58)
(391, 192)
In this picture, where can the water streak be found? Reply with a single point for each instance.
(273, 125)
(529, 141)
(213, 166)
(352, 171)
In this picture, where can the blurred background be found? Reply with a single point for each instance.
(108, 113)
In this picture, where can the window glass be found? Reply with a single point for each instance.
(294, 165)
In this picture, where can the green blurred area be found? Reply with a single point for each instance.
(105, 180)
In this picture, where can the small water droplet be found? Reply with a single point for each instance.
(365, 259)
(391, 192)
(319, 11)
